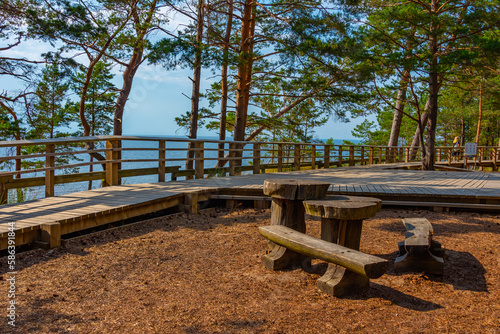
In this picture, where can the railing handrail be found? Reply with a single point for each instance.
(279, 155)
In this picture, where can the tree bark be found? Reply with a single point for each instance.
(141, 29)
(128, 78)
(224, 85)
(416, 142)
(480, 116)
(244, 74)
(428, 159)
(195, 95)
(85, 86)
(18, 166)
(398, 112)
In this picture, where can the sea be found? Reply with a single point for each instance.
(140, 152)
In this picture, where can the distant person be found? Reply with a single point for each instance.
(456, 149)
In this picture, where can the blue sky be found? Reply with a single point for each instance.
(158, 96)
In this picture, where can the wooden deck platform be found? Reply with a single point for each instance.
(36, 220)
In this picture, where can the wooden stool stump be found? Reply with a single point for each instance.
(341, 223)
(287, 210)
(418, 252)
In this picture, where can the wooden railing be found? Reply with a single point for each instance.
(41, 162)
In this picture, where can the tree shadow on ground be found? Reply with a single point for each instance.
(380, 291)
(462, 270)
(395, 297)
(231, 326)
(442, 226)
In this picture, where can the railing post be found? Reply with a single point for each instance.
(449, 157)
(380, 155)
(362, 155)
(296, 156)
(494, 159)
(351, 155)
(339, 162)
(313, 156)
(327, 156)
(256, 158)
(280, 157)
(370, 156)
(161, 161)
(231, 159)
(4, 189)
(407, 154)
(50, 149)
(112, 161)
(438, 154)
(199, 163)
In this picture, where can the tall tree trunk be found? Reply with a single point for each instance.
(83, 95)
(244, 74)
(224, 88)
(416, 142)
(18, 166)
(195, 95)
(128, 78)
(398, 112)
(462, 130)
(141, 29)
(480, 116)
(428, 160)
(498, 150)
(277, 115)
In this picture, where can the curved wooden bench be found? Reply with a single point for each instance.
(357, 267)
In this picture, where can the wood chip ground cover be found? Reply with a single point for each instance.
(204, 274)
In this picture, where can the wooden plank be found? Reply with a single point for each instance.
(418, 235)
(443, 205)
(361, 263)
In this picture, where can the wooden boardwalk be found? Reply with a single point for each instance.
(39, 220)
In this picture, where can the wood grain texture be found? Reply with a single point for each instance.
(340, 209)
(418, 235)
(361, 263)
(455, 188)
(415, 252)
(295, 189)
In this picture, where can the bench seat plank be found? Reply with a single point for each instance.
(418, 252)
(361, 263)
(418, 235)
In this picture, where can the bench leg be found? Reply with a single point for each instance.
(338, 280)
(435, 249)
(429, 263)
(346, 233)
(282, 258)
(289, 213)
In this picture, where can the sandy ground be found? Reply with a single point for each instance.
(204, 274)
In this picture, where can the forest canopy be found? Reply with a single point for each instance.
(428, 70)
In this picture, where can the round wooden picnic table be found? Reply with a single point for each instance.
(287, 210)
(341, 223)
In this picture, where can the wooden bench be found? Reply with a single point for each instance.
(418, 252)
(341, 223)
(287, 210)
(354, 267)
